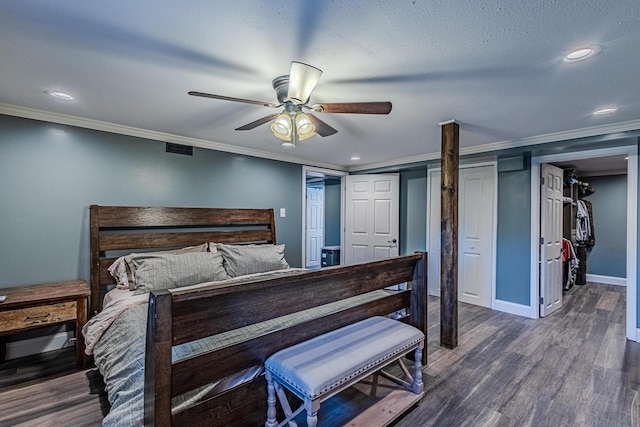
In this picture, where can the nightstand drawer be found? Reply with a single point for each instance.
(34, 317)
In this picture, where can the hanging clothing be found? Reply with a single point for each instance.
(583, 225)
(568, 253)
(591, 241)
(569, 264)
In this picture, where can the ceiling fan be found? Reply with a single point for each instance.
(293, 92)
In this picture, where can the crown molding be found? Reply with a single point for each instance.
(64, 119)
(504, 145)
(31, 113)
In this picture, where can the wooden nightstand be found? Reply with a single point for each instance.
(45, 304)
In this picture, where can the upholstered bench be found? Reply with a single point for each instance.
(323, 366)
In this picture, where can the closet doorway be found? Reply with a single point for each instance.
(322, 207)
(595, 162)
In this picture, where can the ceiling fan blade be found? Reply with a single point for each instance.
(353, 107)
(255, 124)
(322, 128)
(302, 79)
(229, 98)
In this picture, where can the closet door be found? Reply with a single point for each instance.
(550, 239)
(475, 234)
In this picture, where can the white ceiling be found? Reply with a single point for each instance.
(495, 66)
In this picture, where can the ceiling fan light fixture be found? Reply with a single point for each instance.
(303, 79)
(281, 127)
(293, 92)
(304, 126)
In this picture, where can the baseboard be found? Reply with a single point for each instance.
(607, 280)
(637, 335)
(37, 345)
(514, 308)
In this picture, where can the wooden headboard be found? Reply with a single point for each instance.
(118, 230)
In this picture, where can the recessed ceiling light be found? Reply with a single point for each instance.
(59, 95)
(355, 158)
(603, 111)
(582, 54)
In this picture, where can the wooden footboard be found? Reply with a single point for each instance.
(183, 316)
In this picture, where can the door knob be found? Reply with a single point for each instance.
(392, 241)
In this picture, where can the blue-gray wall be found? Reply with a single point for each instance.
(332, 202)
(51, 173)
(513, 229)
(609, 255)
(413, 211)
(513, 249)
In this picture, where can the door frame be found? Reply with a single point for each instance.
(632, 331)
(494, 219)
(314, 171)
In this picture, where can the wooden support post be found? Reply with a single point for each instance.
(449, 235)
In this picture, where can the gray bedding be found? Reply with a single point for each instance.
(120, 355)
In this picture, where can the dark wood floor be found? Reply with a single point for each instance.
(47, 390)
(32, 369)
(573, 368)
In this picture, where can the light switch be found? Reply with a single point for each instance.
(283, 212)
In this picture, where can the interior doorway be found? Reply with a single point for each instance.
(322, 213)
(630, 155)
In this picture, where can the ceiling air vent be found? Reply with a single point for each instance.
(186, 150)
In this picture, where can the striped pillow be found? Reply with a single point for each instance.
(166, 271)
(240, 260)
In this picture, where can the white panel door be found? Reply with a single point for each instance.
(315, 226)
(550, 239)
(476, 193)
(372, 217)
(475, 235)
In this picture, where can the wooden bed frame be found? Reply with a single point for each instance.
(182, 316)
(123, 229)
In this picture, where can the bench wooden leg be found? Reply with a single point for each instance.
(374, 385)
(271, 402)
(275, 393)
(418, 386)
(312, 407)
